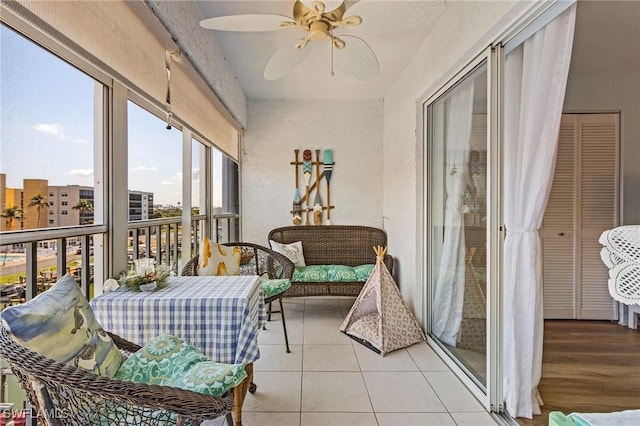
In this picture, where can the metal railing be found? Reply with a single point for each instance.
(45, 252)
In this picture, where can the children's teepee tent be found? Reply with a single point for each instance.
(379, 318)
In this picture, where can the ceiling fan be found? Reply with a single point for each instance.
(319, 19)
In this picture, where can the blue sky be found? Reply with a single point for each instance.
(46, 126)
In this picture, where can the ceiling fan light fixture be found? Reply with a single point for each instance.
(318, 30)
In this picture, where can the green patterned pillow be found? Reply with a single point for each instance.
(60, 325)
(341, 273)
(363, 272)
(311, 273)
(273, 287)
(169, 361)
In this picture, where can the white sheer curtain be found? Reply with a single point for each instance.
(449, 288)
(535, 80)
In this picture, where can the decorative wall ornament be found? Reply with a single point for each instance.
(303, 209)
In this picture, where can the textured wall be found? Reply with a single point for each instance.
(352, 129)
(611, 93)
(183, 20)
(440, 55)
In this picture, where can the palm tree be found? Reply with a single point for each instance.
(10, 214)
(83, 206)
(40, 203)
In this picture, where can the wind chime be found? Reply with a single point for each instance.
(303, 211)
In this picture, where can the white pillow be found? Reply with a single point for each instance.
(293, 251)
(216, 259)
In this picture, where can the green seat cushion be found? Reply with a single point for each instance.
(272, 287)
(363, 272)
(311, 273)
(341, 273)
(59, 324)
(169, 361)
(332, 273)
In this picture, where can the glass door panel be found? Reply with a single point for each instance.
(457, 137)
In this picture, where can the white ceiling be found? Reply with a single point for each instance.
(248, 53)
(607, 39)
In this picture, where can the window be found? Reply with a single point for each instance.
(65, 203)
(155, 166)
(47, 106)
(64, 212)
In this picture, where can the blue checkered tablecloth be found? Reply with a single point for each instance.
(221, 316)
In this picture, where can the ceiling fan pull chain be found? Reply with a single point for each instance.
(332, 47)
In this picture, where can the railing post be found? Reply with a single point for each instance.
(61, 259)
(31, 251)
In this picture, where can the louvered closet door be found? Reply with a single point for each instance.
(597, 196)
(581, 205)
(557, 233)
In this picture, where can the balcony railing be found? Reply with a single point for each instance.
(30, 260)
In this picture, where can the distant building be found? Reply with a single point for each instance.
(61, 201)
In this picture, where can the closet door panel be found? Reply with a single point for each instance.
(557, 231)
(598, 189)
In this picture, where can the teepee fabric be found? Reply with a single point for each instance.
(379, 318)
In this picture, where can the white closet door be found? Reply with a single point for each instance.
(598, 188)
(581, 205)
(557, 233)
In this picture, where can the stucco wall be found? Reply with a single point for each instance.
(441, 55)
(352, 129)
(611, 93)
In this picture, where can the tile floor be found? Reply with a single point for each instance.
(329, 379)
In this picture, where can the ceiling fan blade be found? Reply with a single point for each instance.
(286, 59)
(390, 16)
(246, 23)
(356, 58)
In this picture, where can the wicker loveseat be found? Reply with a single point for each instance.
(347, 245)
(64, 395)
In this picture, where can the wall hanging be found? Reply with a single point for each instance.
(303, 211)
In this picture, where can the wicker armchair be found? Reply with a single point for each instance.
(261, 261)
(64, 395)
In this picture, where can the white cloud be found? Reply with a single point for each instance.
(81, 141)
(167, 182)
(81, 172)
(195, 174)
(54, 129)
(145, 168)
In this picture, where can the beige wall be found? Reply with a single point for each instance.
(352, 129)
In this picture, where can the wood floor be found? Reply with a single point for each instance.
(588, 366)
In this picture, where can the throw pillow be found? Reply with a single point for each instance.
(216, 259)
(169, 361)
(293, 251)
(59, 324)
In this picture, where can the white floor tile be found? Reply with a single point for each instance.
(474, 419)
(276, 358)
(394, 361)
(324, 333)
(426, 358)
(338, 419)
(254, 418)
(330, 391)
(274, 335)
(277, 391)
(330, 358)
(329, 379)
(452, 392)
(414, 419)
(401, 392)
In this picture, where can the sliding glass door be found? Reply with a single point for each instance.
(457, 222)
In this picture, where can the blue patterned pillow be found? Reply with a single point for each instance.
(169, 361)
(59, 324)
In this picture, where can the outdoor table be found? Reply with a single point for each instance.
(221, 316)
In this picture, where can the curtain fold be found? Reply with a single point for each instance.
(535, 81)
(449, 288)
